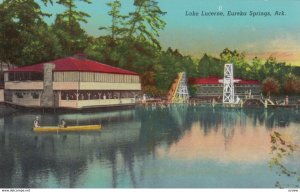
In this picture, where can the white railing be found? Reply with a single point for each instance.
(27, 85)
(96, 103)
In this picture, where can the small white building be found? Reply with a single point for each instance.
(71, 82)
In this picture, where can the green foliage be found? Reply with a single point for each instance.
(170, 63)
(254, 69)
(24, 36)
(71, 15)
(68, 30)
(192, 90)
(117, 27)
(145, 21)
(210, 66)
(275, 69)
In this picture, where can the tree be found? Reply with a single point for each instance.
(210, 66)
(237, 59)
(291, 84)
(71, 16)
(145, 21)
(270, 85)
(273, 68)
(117, 24)
(255, 69)
(109, 47)
(169, 64)
(67, 27)
(23, 33)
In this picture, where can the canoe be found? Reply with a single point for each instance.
(68, 128)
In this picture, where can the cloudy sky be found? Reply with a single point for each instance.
(195, 35)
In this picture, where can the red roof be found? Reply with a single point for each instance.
(75, 64)
(209, 80)
(248, 82)
(217, 80)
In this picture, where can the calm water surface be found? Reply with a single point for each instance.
(180, 146)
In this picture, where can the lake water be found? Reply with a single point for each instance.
(176, 147)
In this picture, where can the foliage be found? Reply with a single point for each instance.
(275, 69)
(68, 30)
(238, 59)
(169, 64)
(210, 66)
(23, 33)
(192, 90)
(291, 84)
(145, 21)
(117, 20)
(270, 85)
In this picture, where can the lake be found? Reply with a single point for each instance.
(173, 147)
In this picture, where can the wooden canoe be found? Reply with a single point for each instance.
(68, 128)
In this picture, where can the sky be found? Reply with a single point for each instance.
(195, 35)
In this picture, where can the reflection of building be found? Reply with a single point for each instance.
(213, 87)
(71, 82)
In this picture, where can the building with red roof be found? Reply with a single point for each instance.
(213, 87)
(71, 82)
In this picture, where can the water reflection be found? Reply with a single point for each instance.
(135, 145)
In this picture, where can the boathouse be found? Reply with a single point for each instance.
(72, 82)
(212, 87)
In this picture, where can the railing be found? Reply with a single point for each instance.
(96, 103)
(27, 85)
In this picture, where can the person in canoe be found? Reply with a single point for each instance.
(36, 122)
(63, 123)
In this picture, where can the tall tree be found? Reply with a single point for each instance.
(117, 20)
(210, 66)
(67, 26)
(23, 32)
(291, 84)
(237, 59)
(255, 68)
(71, 15)
(145, 21)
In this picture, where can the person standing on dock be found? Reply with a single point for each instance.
(286, 100)
(36, 122)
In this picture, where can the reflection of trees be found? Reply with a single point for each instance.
(210, 118)
(256, 115)
(282, 149)
(36, 157)
(128, 154)
(166, 124)
(6, 165)
(112, 158)
(280, 117)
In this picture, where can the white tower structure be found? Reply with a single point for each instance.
(228, 84)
